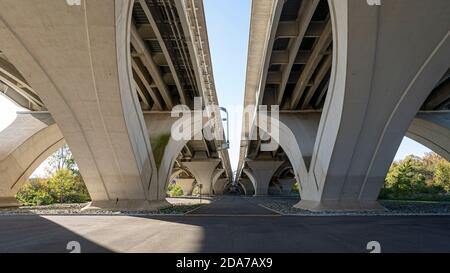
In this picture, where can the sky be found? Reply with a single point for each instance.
(228, 23)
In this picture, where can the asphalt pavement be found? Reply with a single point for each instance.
(233, 225)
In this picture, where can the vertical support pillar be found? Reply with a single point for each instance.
(203, 172)
(262, 172)
(186, 184)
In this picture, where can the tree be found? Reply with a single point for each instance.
(442, 175)
(35, 193)
(426, 178)
(174, 190)
(406, 177)
(63, 187)
(61, 183)
(61, 159)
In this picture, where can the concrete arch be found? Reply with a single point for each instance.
(247, 185)
(432, 130)
(220, 185)
(285, 168)
(297, 133)
(186, 184)
(176, 174)
(33, 143)
(215, 178)
(251, 178)
(173, 149)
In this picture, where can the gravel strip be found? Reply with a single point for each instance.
(282, 206)
(75, 209)
(399, 208)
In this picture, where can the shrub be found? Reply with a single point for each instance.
(174, 190)
(62, 187)
(415, 178)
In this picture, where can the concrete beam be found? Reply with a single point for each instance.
(152, 68)
(291, 29)
(282, 57)
(143, 87)
(163, 46)
(307, 10)
(321, 73)
(316, 56)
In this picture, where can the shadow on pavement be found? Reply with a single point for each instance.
(215, 228)
(36, 234)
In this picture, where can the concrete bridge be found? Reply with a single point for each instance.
(103, 77)
(351, 80)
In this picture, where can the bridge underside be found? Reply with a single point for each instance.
(349, 87)
(104, 70)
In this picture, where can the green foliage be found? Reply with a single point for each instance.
(62, 159)
(415, 178)
(158, 146)
(34, 193)
(295, 187)
(442, 175)
(63, 187)
(174, 190)
(407, 177)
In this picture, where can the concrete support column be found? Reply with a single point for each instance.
(286, 185)
(203, 172)
(9, 202)
(186, 184)
(219, 186)
(261, 174)
(78, 61)
(215, 180)
(378, 84)
(247, 185)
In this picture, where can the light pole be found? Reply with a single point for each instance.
(200, 186)
(226, 144)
